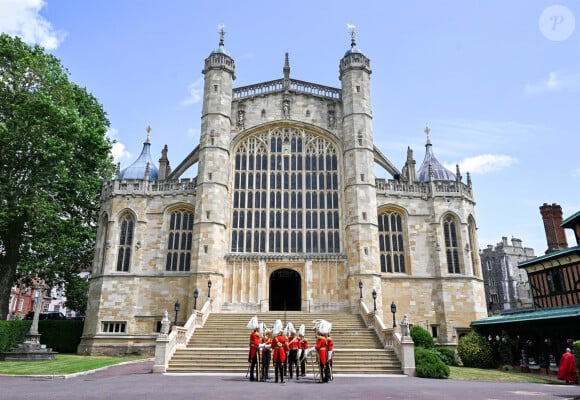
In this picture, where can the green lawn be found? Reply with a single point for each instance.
(477, 374)
(64, 364)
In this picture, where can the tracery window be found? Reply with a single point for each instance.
(285, 197)
(451, 245)
(391, 242)
(125, 243)
(179, 241)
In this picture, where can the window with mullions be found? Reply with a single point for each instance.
(285, 197)
(179, 241)
(451, 245)
(391, 242)
(125, 243)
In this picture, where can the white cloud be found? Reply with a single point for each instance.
(557, 81)
(118, 151)
(22, 18)
(484, 163)
(195, 93)
(576, 172)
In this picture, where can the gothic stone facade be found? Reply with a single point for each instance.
(285, 213)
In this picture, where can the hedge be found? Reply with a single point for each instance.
(62, 336)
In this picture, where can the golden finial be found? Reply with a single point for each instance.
(427, 130)
(148, 129)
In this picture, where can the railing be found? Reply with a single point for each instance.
(393, 186)
(142, 186)
(402, 345)
(166, 345)
(278, 86)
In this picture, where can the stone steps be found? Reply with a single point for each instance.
(221, 346)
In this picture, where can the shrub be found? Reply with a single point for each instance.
(12, 333)
(475, 351)
(421, 337)
(429, 365)
(446, 354)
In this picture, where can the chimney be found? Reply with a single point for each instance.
(552, 217)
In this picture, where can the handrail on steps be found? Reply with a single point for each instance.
(167, 344)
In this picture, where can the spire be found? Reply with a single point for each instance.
(222, 34)
(286, 71)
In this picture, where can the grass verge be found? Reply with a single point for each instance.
(477, 374)
(64, 364)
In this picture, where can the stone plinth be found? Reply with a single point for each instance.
(30, 350)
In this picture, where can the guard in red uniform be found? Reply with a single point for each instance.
(303, 352)
(322, 349)
(280, 347)
(253, 355)
(294, 346)
(266, 354)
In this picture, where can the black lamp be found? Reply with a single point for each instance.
(394, 311)
(209, 288)
(177, 306)
(375, 298)
(360, 288)
(195, 295)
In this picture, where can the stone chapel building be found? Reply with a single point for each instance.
(285, 214)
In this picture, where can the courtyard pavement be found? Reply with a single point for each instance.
(135, 381)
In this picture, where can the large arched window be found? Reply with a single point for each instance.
(452, 246)
(125, 243)
(179, 240)
(285, 197)
(391, 242)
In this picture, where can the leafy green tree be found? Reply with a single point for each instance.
(54, 155)
(77, 290)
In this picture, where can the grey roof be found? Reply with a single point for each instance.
(137, 169)
(440, 173)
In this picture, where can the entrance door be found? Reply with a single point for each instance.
(285, 289)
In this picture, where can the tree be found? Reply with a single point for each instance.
(77, 290)
(54, 156)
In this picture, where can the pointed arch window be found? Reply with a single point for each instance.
(293, 170)
(125, 243)
(452, 246)
(392, 242)
(179, 240)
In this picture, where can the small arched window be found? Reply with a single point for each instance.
(125, 243)
(451, 245)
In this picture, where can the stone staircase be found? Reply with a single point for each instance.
(221, 346)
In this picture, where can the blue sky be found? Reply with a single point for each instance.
(498, 82)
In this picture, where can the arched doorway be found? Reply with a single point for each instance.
(285, 290)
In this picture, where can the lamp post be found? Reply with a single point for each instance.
(394, 311)
(176, 306)
(375, 298)
(209, 288)
(360, 288)
(195, 296)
